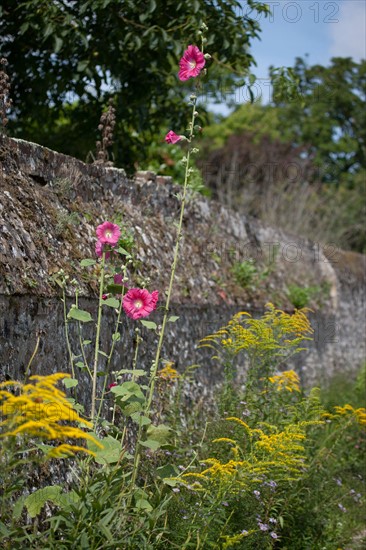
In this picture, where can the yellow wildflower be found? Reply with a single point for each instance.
(39, 409)
(287, 380)
(168, 373)
(348, 410)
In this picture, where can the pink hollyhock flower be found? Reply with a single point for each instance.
(191, 63)
(155, 297)
(139, 303)
(99, 250)
(108, 233)
(112, 385)
(172, 137)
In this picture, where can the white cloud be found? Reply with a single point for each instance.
(348, 34)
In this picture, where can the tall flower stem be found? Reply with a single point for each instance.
(80, 337)
(155, 364)
(114, 340)
(66, 323)
(99, 322)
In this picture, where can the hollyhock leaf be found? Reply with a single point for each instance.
(112, 302)
(87, 262)
(149, 325)
(114, 288)
(140, 419)
(121, 250)
(159, 433)
(70, 382)
(127, 390)
(151, 444)
(86, 342)
(131, 409)
(116, 337)
(173, 318)
(35, 501)
(79, 315)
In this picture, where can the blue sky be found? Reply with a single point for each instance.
(320, 28)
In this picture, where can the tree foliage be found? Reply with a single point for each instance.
(67, 58)
(327, 115)
(300, 162)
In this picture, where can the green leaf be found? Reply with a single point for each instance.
(123, 251)
(140, 419)
(86, 342)
(35, 502)
(114, 288)
(126, 387)
(143, 504)
(23, 28)
(116, 337)
(110, 453)
(79, 315)
(80, 364)
(151, 444)
(70, 382)
(159, 433)
(112, 302)
(149, 325)
(44, 448)
(103, 353)
(58, 44)
(82, 65)
(131, 408)
(4, 530)
(167, 471)
(87, 262)
(170, 482)
(173, 318)
(252, 79)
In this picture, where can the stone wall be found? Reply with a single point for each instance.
(50, 205)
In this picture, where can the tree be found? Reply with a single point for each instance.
(299, 163)
(327, 115)
(67, 58)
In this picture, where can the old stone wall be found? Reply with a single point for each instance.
(50, 205)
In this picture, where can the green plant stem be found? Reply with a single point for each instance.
(134, 361)
(155, 364)
(68, 345)
(110, 358)
(99, 322)
(32, 357)
(174, 267)
(80, 338)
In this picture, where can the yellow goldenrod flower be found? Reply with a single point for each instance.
(168, 373)
(39, 409)
(348, 410)
(287, 380)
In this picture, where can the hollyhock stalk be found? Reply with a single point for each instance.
(155, 365)
(99, 322)
(114, 340)
(175, 262)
